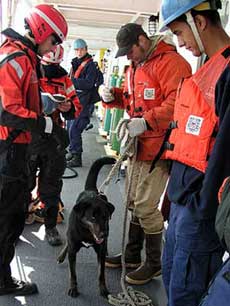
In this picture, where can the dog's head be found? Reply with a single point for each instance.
(93, 212)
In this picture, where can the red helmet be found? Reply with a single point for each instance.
(55, 56)
(45, 20)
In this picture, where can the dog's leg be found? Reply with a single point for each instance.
(73, 290)
(62, 255)
(101, 253)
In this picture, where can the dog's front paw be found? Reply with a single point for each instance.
(73, 292)
(60, 259)
(104, 292)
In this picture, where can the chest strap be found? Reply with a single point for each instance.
(165, 145)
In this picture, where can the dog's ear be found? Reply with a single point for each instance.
(78, 208)
(110, 207)
(103, 197)
(80, 205)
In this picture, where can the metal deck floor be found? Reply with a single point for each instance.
(35, 260)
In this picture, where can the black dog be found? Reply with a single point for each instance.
(89, 225)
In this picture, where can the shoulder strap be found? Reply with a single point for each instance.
(81, 67)
(10, 56)
(14, 133)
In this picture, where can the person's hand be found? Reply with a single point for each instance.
(43, 125)
(136, 126)
(107, 95)
(46, 126)
(64, 107)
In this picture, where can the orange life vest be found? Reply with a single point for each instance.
(149, 91)
(192, 140)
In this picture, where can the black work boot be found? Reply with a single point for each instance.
(152, 266)
(69, 156)
(76, 160)
(13, 286)
(89, 127)
(53, 237)
(132, 251)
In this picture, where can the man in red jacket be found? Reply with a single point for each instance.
(20, 117)
(148, 97)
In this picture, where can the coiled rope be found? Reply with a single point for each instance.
(128, 296)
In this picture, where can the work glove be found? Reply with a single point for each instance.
(44, 126)
(136, 126)
(107, 95)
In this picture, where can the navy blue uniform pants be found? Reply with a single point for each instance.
(192, 255)
(75, 128)
(218, 293)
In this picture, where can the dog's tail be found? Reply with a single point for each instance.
(91, 181)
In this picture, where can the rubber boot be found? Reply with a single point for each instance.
(52, 235)
(76, 161)
(152, 265)
(133, 248)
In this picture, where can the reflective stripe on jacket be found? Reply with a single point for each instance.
(149, 91)
(197, 123)
(19, 90)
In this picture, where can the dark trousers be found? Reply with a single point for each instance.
(192, 255)
(14, 200)
(75, 128)
(51, 165)
(218, 293)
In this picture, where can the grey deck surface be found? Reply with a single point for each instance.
(35, 260)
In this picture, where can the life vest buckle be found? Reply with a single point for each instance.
(173, 125)
(168, 146)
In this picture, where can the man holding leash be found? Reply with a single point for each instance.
(148, 96)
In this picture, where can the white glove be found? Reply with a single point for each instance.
(107, 95)
(136, 126)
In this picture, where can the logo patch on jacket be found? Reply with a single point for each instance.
(193, 125)
(149, 93)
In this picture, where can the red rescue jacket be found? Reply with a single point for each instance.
(19, 88)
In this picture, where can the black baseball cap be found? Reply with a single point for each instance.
(127, 37)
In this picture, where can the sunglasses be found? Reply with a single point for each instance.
(55, 40)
